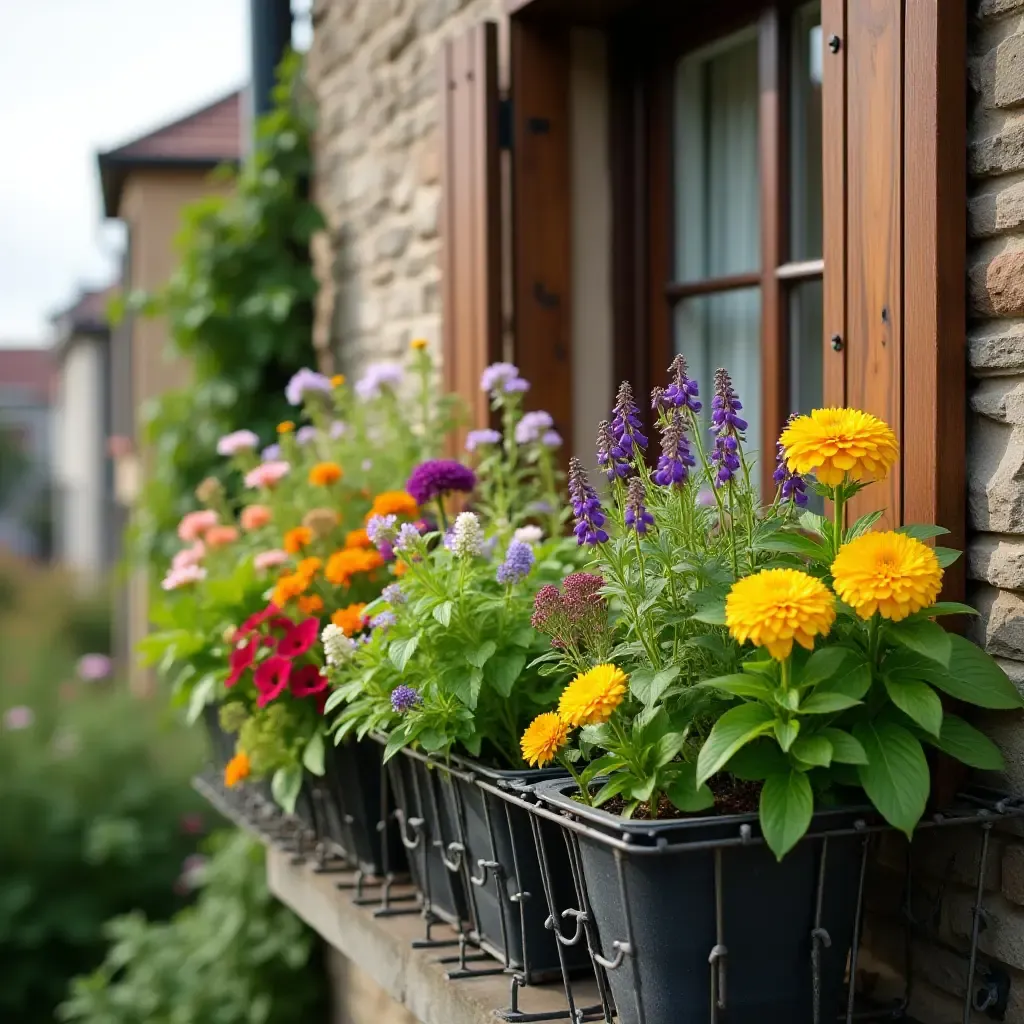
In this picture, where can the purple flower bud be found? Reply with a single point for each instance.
(626, 426)
(586, 506)
(676, 460)
(436, 477)
(613, 465)
(792, 486)
(682, 391)
(517, 565)
(477, 438)
(637, 515)
(497, 375)
(725, 405)
(403, 699)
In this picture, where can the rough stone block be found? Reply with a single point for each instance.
(953, 855)
(1000, 624)
(1000, 152)
(997, 8)
(425, 212)
(1003, 935)
(997, 284)
(996, 560)
(995, 468)
(391, 242)
(998, 74)
(1013, 873)
(996, 211)
(996, 348)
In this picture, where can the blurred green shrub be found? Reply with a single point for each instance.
(235, 957)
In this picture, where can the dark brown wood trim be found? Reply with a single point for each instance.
(934, 271)
(711, 286)
(773, 132)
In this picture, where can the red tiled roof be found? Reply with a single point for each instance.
(202, 139)
(29, 369)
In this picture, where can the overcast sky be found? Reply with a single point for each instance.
(77, 76)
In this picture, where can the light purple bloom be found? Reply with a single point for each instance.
(381, 529)
(403, 699)
(532, 426)
(408, 538)
(436, 477)
(338, 429)
(377, 377)
(305, 382)
(497, 375)
(238, 441)
(393, 594)
(18, 717)
(551, 439)
(305, 434)
(383, 620)
(516, 384)
(476, 438)
(271, 453)
(518, 562)
(367, 465)
(92, 668)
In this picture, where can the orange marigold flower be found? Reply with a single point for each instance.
(297, 538)
(397, 503)
(400, 568)
(357, 539)
(323, 474)
(337, 380)
(285, 427)
(349, 620)
(290, 586)
(308, 567)
(310, 604)
(237, 769)
(343, 565)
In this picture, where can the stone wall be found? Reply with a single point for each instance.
(373, 68)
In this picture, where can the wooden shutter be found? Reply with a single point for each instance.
(894, 102)
(470, 214)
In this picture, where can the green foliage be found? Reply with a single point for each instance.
(240, 307)
(236, 956)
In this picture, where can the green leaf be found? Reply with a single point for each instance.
(503, 671)
(712, 613)
(973, 676)
(786, 732)
(947, 556)
(201, 695)
(917, 700)
(864, 524)
(854, 682)
(737, 727)
(967, 744)
(402, 650)
(480, 656)
(922, 531)
(613, 787)
(787, 805)
(740, 684)
(946, 608)
(443, 613)
(313, 755)
(396, 741)
(285, 786)
(757, 761)
(845, 748)
(896, 776)
(648, 686)
(667, 747)
(826, 703)
(923, 637)
(686, 794)
(813, 750)
(796, 544)
(823, 664)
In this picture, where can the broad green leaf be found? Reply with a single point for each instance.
(826, 703)
(916, 700)
(896, 776)
(285, 786)
(973, 676)
(967, 744)
(864, 524)
(649, 686)
(786, 732)
(201, 695)
(787, 805)
(850, 682)
(796, 544)
(741, 684)
(812, 522)
(946, 608)
(845, 748)
(737, 727)
(313, 755)
(667, 748)
(479, 656)
(643, 789)
(757, 761)
(401, 651)
(922, 531)
(924, 637)
(336, 697)
(813, 750)
(396, 741)
(947, 556)
(712, 613)
(613, 787)
(443, 613)
(686, 794)
(503, 671)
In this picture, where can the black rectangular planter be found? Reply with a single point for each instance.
(697, 913)
(222, 744)
(507, 892)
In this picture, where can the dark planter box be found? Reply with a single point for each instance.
(222, 744)
(659, 888)
(509, 904)
(425, 806)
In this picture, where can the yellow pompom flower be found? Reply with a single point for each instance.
(774, 607)
(418, 344)
(337, 380)
(285, 427)
(323, 474)
(543, 738)
(831, 443)
(593, 696)
(889, 572)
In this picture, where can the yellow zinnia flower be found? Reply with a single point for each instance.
(237, 769)
(543, 738)
(337, 380)
(418, 344)
(889, 572)
(592, 696)
(285, 427)
(774, 607)
(831, 443)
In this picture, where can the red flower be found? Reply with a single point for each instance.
(257, 619)
(321, 702)
(309, 680)
(299, 638)
(271, 678)
(241, 659)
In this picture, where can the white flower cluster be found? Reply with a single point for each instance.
(467, 536)
(338, 647)
(529, 534)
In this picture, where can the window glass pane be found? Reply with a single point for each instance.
(725, 330)
(718, 224)
(805, 158)
(805, 329)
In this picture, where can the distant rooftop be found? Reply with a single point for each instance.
(29, 370)
(201, 140)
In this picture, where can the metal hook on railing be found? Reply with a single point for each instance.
(717, 959)
(456, 850)
(416, 824)
(552, 925)
(485, 866)
(622, 950)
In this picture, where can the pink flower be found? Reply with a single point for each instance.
(308, 681)
(299, 638)
(19, 717)
(241, 659)
(189, 556)
(255, 516)
(239, 441)
(267, 474)
(195, 524)
(271, 679)
(221, 536)
(182, 577)
(270, 559)
(92, 668)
